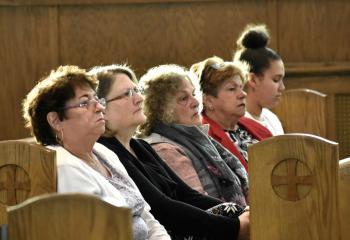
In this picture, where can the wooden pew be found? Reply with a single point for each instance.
(294, 188)
(344, 197)
(303, 111)
(69, 217)
(26, 170)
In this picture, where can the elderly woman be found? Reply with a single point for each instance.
(265, 84)
(179, 208)
(64, 113)
(224, 106)
(174, 130)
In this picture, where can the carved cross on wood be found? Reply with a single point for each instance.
(13, 179)
(291, 180)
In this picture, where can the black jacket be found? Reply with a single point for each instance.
(173, 203)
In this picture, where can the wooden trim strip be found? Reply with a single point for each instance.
(317, 69)
(18, 3)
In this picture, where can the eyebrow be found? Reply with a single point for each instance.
(87, 95)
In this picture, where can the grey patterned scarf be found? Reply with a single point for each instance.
(226, 171)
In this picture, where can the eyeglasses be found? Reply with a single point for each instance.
(127, 94)
(87, 103)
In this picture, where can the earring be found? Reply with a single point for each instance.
(210, 107)
(59, 140)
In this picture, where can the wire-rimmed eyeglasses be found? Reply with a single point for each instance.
(87, 103)
(127, 94)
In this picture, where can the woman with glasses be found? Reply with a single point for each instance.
(64, 113)
(224, 104)
(265, 84)
(178, 207)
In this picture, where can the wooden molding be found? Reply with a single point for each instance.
(317, 69)
(92, 2)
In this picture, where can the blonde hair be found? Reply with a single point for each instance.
(160, 85)
(213, 72)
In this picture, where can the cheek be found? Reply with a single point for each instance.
(182, 115)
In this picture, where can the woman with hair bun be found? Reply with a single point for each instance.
(265, 81)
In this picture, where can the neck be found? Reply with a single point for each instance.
(253, 107)
(124, 137)
(82, 150)
(227, 123)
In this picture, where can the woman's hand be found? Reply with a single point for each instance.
(244, 225)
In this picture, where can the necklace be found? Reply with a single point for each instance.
(99, 167)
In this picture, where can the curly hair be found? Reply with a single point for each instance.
(106, 77)
(160, 85)
(213, 72)
(50, 95)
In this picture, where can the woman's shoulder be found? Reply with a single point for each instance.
(268, 114)
(64, 157)
(273, 122)
(155, 138)
(109, 155)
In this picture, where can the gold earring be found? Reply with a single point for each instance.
(59, 140)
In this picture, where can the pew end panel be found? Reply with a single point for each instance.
(293, 188)
(26, 170)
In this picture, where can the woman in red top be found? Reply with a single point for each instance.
(224, 105)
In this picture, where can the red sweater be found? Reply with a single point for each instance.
(254, 128)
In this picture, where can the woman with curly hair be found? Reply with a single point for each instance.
(183, 211)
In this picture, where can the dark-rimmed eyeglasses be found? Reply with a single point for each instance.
(127, 94)
(87, 103)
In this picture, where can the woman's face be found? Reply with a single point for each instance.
(84, 115)
(269, 87)
(230, 99)
(186, 105)
(124, 105)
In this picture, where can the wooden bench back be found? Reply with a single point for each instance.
(303, 111)
(294, 188)
(69, 217)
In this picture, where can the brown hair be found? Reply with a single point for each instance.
(106, 77)
(50, 95)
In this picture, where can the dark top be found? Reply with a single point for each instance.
(173, 203)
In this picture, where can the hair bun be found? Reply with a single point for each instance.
(254, 37)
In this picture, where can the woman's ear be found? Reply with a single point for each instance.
(54, 121)
(208, 102)
(253, 80)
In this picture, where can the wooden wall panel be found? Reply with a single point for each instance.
(314, 30)
(92, 2)
(39, 35)
(28, 49)
(151, 34)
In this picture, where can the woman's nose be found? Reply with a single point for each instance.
(138, 98)
(242, 94)
(195, 102)
(281, 86)
(100, 107)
